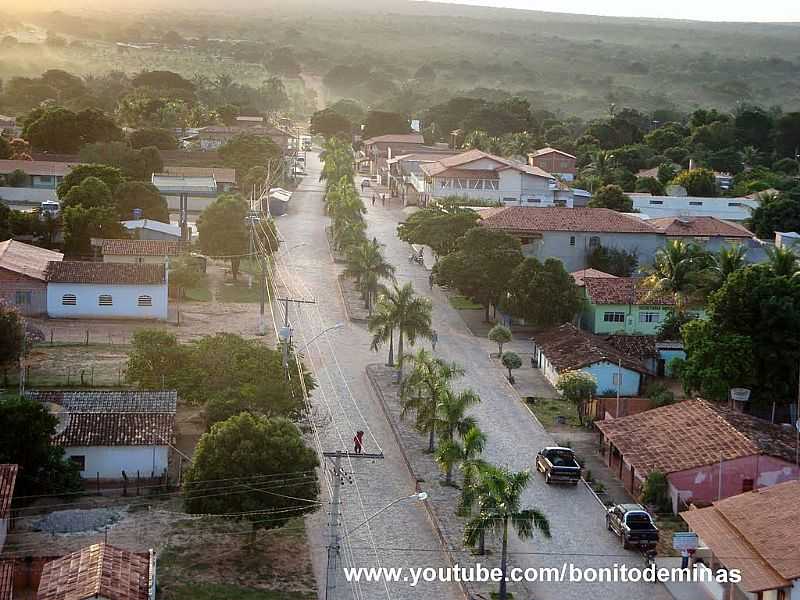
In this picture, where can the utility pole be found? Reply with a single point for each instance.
(334, 523)
(286, 333)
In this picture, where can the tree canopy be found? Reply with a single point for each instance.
(611, 196)
(111, 176)
(145, 196)
(223, 231)
(246, 151)
(543, 294)
(437, 227)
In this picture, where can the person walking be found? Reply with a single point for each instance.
(430, 281)
(373, 199)
(383, 200)
(434, 339)
(358, 442)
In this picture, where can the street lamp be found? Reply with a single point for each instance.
(420, 496)
(323, 332)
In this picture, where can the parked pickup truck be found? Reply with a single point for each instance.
(558, 464)
(634, 526)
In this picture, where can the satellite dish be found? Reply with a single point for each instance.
(60, 413)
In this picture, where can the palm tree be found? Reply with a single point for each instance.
(601, 165)
(411, 316)
(499, 498)
(366, 264)
(750, 157)
(350, 234)
(381, 326)
(422, 390)
(678, 269)
(451, 452)
(728, 260)
(782, 261)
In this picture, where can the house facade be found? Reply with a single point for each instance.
(378, 150)
(108, 432)
(39, 174)
(571, 234)
(99, 290)
(555, 162)
(23, 282)
(729, 209)
(198, 191)
(156, 252)
(707, 451)
(214, 136)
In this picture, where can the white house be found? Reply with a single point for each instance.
(729, 209)
(148, 229)
(96, 290)
(567, 348)
(157, 252)
(108, 432)
(480, 176)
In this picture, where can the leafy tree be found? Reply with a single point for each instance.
(542, 294)
(164, 80)
(672, 325)
(156, 360)
(728, 260)
(81, 224)
(782, 261)
(350, 109)
(163, 139)
(666, 173)
(90, 193)
(753, 128)
(17, 178)
(437, 227)
(223, 231)
(5, 148)
(787, 166)
(650, 185)
(111, 176)
(500, 335)
(56, 130)
(329, 123)
(145, 196)
(12, 336)
(656, 491)
(381, 325)
(466, 454)
(775, 212)
(184, 274)
(697, 182)
(787, 134)
(95, 126)
(246, 151)
(134, 164)
(616, 261)
(511, 361)
(379, 122)
(499, 496)
(611, 196)
(26, 441)
(667, 136)
(482, 266)
(577, 387)
(256, 452)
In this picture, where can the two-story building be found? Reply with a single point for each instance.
(555, 162)
(406, 178)
(730, 209)
(483, 177)
(379, 149)
(571, 234)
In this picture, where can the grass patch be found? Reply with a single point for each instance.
(221, 591)
(667, 525)
(201, 294)
(547, 409)
(239, 292)
(463, 303)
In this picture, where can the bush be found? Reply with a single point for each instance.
(659, 394)
(656, 491)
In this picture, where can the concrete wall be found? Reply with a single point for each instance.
(195, 204)
(604, 373)
(15, 287)
(514, 188)
(125, 301)
(572, 248)
(732, 209)
(110, 461)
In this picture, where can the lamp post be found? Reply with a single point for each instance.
(323, 332)
(420, 496)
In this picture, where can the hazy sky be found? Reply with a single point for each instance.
(704, 10)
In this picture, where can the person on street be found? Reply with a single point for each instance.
(373, 199)
(434, 339)
(430, 281)
(383, 200)
(358, 442)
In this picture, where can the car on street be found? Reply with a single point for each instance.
(633, 525)
(558, 464)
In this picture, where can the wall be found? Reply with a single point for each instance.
(195, 203)
(702, 483)
(732, 209)
(604, 373)
(12, 282)
(124, 299)
(632, 323)
(574, 253)
(3, 532)
(149, 260)
(110, 461)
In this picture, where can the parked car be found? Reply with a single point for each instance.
(558, 464)
(633, 525)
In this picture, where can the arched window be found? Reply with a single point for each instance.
(145, 300)
(105, 300)
(69, 300)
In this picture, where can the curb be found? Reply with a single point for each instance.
(428, 509)
(337, 258)
(346, 304)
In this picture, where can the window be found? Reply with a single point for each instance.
(656, 202)
(536, 200)
(145, 301)
(594, 242)
(23, 298)
(46, 178)
(69, 300)
(572, 240)
(509, 199)
(649, 317)
(734, 203)
(614, 317)
(105, 300)
(695, 203)
(80, 461)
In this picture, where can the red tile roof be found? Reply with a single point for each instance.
(37, 167)
(106, 273)
(699, 227)
(579, 276)
(566, 348)
(523, 219)
(25, 259)
(396, 138)
(97, 571)
(144, 247)
(642, 347)
(623, 290)
(749, 532)
(549, 150)
(693, 434)
(220, 174)
(8, 475)
(6, 579)
(116, 429)
(442, 166)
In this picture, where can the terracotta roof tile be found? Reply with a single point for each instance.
(567, 347)
(692, 434)
(8, 475)
(117, 429)
(97, 571)
(37, 167)
(397, 138)
(623, 290)
(6, 579)
(549, 150)
(699, 227)
(642, 347)
(108, 273)
(552, 218)
(26, 259)
(579, 276)
(749, 532)
(110, 401)
(125, 247)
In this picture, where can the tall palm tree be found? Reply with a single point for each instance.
(381, 326)
(463, 453)
(366, 264)
(601, 165)
(678, 269)
(451, 419)
(750, 156)
(411, 316)
(422, 391)
(499, 499)
(728, 260)
(782, 261)
(349, 235)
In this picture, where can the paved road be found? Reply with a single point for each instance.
(577, 521)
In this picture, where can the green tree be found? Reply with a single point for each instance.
(500, 335)
(256, 452)
(329, 123)
(90, 193)
(438, 227)
(500, 500)
(616, 261)
(366, 264)
(133, 164)
(163, 139)
(28, 428)
(184, 274)
(775, 212)
(111, 176)
(611, 196)
(666, 173)
(55, 130)
(381, 325)
(655, 491)
(466, 454)
(410, 315)
(697, 182)
(650, 185)
(246, 151)
(542, 294)
(156, 360)
(5, 149)
(451, 421)
(12, 337)
(728, 260)
(577, 387)
(680, 270)
(95, 126)
(141, 195)
(223, 231)
(782, 261)
(511, 361)
(379, 122)
(81, 224)
(482, 266)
